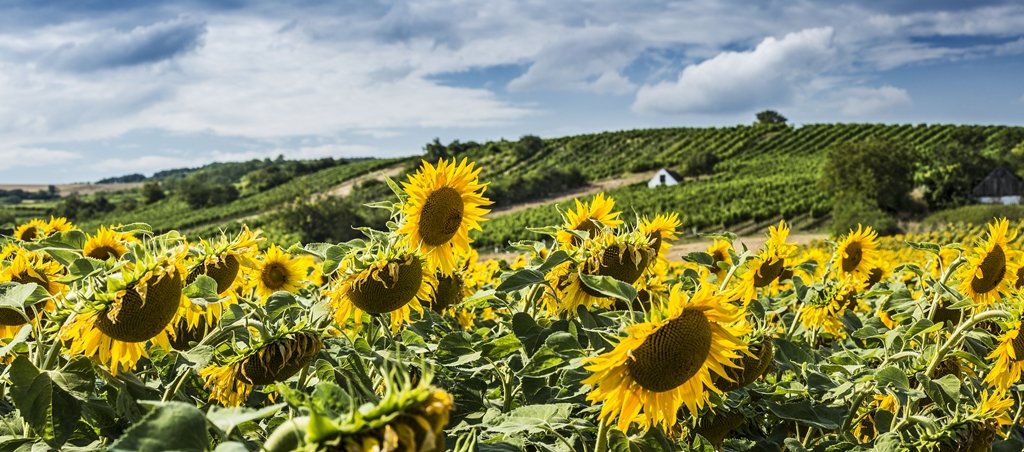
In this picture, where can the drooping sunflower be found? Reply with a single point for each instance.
(274, 360)
(668, 361)
(661, 230)
(590, 217)
(624, 257)
(34, 230)
(823, 310)
(106, 243)
(225, 261)
(769, 265)
(279, 271)
(856, 253)
(139, 306)
(991, 269)
(29, 267)
(392, 283)
(444, 203)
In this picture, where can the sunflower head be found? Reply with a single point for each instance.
(143, 311)
(387, 286)
(30, 267)
(105, 244)
(448, 291)
(716, 426)
(272, 361)
(992, 268)
(660, 230)
(33, 230)
(620, 258)
(278, 271)
(443, 204)
(667, 362)
(857, 252)
(720, 252)
(751, 366)
(590, 217)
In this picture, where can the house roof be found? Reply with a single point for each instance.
(1000, 182)
(675, 175)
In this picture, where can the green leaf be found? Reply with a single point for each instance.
(520, 279)
(700, 258)
(608, 286)
(556, 258)
(924, 246)
(227, 419)
(501, 347)
(527, 330)
(51, 411)
(945, 391)
(168, 426)
(544, 362)
(17, 297)
(531, 418)
(81, 268)
(807, 413)
(203, 288)
(892, 376)
(332, 258)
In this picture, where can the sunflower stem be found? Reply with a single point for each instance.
(854, 406)
(602, 436)
(958, 334)
(1020, 408)
(175, 386)
(942, 281)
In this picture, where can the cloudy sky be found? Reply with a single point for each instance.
(96, 88)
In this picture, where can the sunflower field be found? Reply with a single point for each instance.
(593, 339)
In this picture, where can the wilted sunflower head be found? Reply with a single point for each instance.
(667, 361)
(444, 203)
(624, 257)
(449, 290)
(138, 308)
(991, 268)
(274, 360)
(590, 217)
(392, 282)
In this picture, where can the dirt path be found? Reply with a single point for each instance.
(595, 187)
(345, 188)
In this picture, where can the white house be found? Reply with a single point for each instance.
(665, 177)
(1001, 186)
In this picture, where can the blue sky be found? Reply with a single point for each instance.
(92, 88)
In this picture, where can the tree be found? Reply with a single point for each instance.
(528, 145)
(880, 171)
(770, 117)
(152, 192)
(698, 163)
(949, 172)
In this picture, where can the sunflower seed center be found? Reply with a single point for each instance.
(274, 276)
(673, 354)
(852, 257)
(993, 270)
(441, 216)
(768, 271)
(1018, 346)
(381, 292)
(103, 253)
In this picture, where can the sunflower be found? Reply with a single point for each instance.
(58, 224)
(590, 217)
(1008, 356)
(278, 271)
(992, 267)
(856, 253)
(660, 231)
(623, 257)
(769, 265)
(667, 361)
(864, 427)
(444, 203)
(34, 230)
(720, 252)
(140, 305)
(823, 310)
(272, 361)
(29, 267)
(390, 283)
(105, 244)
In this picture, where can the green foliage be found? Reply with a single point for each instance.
(152, 192)
(877, 170)
(974, 214)
(76, 207)
(851, 209)
(539, 183)
(698, 163)
(950, 171)
(527, 146)
(198, 192)
(770, 117)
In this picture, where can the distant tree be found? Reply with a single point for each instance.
(879, 171)
(152, 192)
(697, 163)
(770, 117)
(528, 145)
(435, 150)
(198, 193)
(950, 171)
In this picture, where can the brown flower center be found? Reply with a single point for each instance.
(103, 253)
(387, 291)
(441, 216)
(851, 257)
(993, 270)
(274, 276)
(768, 271)
(673, 354)
(133, 319)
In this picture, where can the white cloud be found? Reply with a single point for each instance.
(583, 54)
(770, 74)
(34, 157)
(863, 101)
